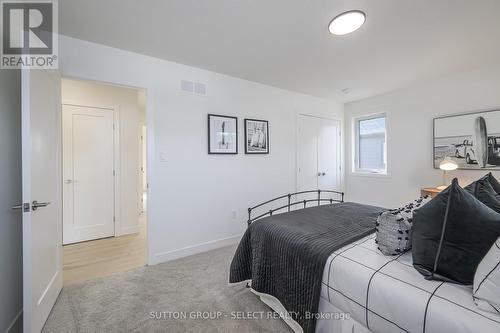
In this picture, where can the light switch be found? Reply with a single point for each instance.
(163, 157)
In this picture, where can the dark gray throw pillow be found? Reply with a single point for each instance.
(451, 235)
(492, 180)
(494, 183)
(484, 192)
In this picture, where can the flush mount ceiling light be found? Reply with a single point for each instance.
(347, 22)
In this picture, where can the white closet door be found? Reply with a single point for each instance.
(318, 154)
(307, 153)
(328, 155)
(88, 173)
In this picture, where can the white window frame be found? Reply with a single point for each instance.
(355, 154)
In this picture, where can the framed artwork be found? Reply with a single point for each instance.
(256, 136)
(222, 134)
(472, 140)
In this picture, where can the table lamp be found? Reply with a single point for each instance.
(446, 165)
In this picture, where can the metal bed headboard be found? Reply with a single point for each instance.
(291, 204)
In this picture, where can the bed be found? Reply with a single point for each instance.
(360, 289)
(386, 294)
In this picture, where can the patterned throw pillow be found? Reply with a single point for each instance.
(487, 281)
(394, 228)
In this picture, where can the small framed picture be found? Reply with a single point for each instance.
(222, 134)
(256, 136)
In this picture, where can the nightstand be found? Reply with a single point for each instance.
(431, 191)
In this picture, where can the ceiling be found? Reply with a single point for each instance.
(286, 44)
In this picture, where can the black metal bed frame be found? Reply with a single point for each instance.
(291, 204)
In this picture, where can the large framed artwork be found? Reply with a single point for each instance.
(222, 134)
(472, 140)
(256, 136)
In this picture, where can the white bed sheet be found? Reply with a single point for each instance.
(386, 294)
(371, 292)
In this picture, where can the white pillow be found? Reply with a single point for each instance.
(486, 286)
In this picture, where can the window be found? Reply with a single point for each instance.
(371, 144)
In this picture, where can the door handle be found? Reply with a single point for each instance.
(25, 207)
(35, 205)
(68, 181)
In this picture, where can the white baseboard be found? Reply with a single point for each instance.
(194, 249)
(128, 230)
(13, 323)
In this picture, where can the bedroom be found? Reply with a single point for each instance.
(410, 64)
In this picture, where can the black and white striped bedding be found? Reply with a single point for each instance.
(386, 294)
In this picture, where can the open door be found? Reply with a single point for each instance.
(42, 213)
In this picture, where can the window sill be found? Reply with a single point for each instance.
(369, 174)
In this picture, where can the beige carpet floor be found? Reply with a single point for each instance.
(164, 298)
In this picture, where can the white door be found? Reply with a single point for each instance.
(88, 173)
(318, 154)
(329, 155)
(307, 153)
(42, 219)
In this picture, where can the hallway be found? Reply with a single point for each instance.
(89, 260)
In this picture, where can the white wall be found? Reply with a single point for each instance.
(410, 114)
(11, 287)
(192, 194)
(127, 102)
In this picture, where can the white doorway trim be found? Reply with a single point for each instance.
(118, 230)
(340, 150)
(150, 151)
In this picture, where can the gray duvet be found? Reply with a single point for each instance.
(284, 255)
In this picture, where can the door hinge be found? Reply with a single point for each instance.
(114, 173)
(114, 219)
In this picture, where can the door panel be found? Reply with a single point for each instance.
(42, 251)
(88, 164)
(328, 155)
(318, 154)
(307, 154)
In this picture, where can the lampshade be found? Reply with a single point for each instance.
(448, 165)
